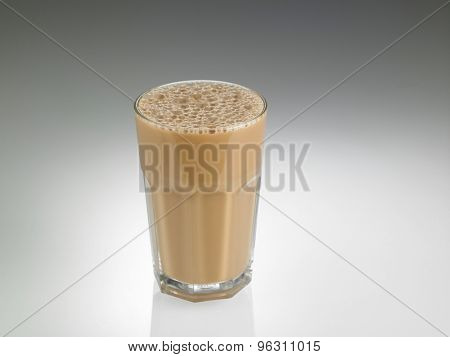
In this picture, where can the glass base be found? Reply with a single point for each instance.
(204, 292)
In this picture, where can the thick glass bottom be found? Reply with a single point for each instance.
(204, 292)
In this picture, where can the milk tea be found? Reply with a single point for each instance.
(204, 143)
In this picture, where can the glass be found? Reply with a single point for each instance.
(202, 186)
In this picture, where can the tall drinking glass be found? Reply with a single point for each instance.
(200, 154)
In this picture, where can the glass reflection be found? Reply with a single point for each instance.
(228, 317)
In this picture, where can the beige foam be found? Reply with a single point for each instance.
(201, 107)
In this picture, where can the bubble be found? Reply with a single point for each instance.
(201, 106)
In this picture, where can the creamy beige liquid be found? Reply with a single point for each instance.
(209, 237)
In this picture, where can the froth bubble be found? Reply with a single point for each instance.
(201, 106)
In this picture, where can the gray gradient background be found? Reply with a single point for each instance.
(378, 167)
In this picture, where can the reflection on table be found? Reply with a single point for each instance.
(228, 317)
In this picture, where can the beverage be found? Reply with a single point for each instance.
(202, 198)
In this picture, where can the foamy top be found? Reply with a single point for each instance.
(201, 107)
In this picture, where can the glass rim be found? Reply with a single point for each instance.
(247, 123)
